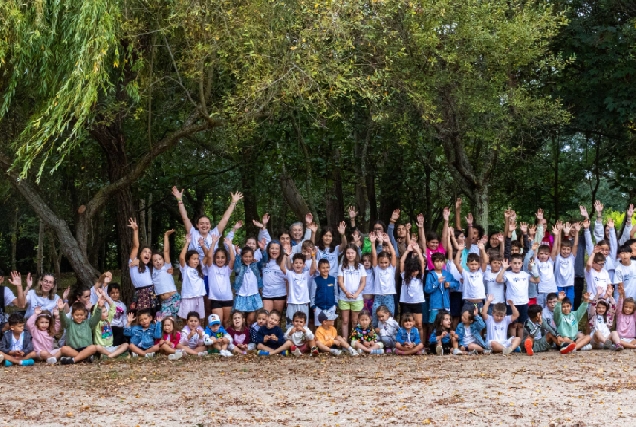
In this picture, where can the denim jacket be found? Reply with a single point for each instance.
(239, 272)
(440, 296)
(144, 338)
(475, 328)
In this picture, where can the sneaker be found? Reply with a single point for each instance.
(285, 353)
(226, 353)
(457, 352)
(314, 351)
(439, 350)
(421, 351)
(201, 353)
(296, 351)
(335, 352)
(263, 353)
(608, 344)
(1, 357)
(353, 352)
(90, 358)
(134, 354)
(151, 354)
(51, 360)
(389, 351)
(567, 348)
(208, 341)
(619, 347)
(586, 347)
(66, 360)
(518, 349)
(527, 344)
(487, 351)
(175, 356)
(27, 362)
(377, 351)
(7, 363)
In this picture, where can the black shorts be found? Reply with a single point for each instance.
(283, 298)
(411, 308)
(118, 336)
(523, 313)
(456, 304)
(221, 304)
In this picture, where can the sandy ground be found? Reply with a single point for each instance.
(584, 389)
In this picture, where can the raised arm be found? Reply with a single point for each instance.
(391, 251)
(446, 216)
(458, 258)
(502, 271)
(342, 228)
(458, 214)
(283, 264)
(314, 266)
(420, 231)
(166, 246)
(599, 230)
(231, 253)
(391, 228)
(182, 255)
(484, 310)
(16, 280)
(135, 243)
(628, 225)
(228, 212)
(577, 229)
(182, 210)
(556, 230)
(374, 255)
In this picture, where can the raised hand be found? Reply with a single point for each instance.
(577, 226)
(610, 291)
(352, 212)
(395, 215)
(133, 224)
(600, 290)
(583, 210)
(446, 213)
(236, 197)
(29, 281)
(532, 230)
(598, 207)
(101, 301)
(60, 304)
(621, 289)
(238, 225)
(586, 297)
(373, 237)
(177, 194)
(610, 223)
(419, 221)
(168, 233)
(130, 318)
(265, 219)
(500, 238)
(309, 218)
(188, 238)
(16, 279)
(201, 242)
(313, 227)
(586, 223)
(561, 296)
(469, 219)
(523, 226)
(342, 227)
(408, 227)
(491, 298)
(461, 246)
(134, 263)
(458, 203)
(539, 214)
(357, 239)
(505, 264)
(65, 294)
(108, 277)
(38, 310)
(261, 243)
(258, 224)
(566, 228)
(535, 246)
(630, 211)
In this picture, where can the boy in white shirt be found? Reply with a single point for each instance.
(473, 289)
(625, 272)
(544, 265)
(596, 275)
(564, 255)
(300, 335)
(517, 284)
(497, 327)
(298, 284)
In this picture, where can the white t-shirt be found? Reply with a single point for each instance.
(299, 338)
(332, 257)
(298, 287)
(192, 285)
(351, 277)
(595, 279)
(564, 271)
(473, 284)
(220, 288)
(194, 243)
(119, 320)
(497, 331)
(546, 274)
(601, 326)
(627, 275)
(163, 281)
(384, 280)
(139, 280)
(468, 336)
(273, 280)
(33, 301)
(548, 316)
(517, 287)
(249, 286)
(9, 297)
(412, 293)
(369, 287)
(493, 287)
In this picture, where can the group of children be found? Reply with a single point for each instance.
(463, 293)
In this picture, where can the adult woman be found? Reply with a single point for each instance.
(44, 295)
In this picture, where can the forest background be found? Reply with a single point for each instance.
(303, 106)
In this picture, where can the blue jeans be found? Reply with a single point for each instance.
(569, 292)
(386, 300)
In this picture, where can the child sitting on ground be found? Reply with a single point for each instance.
(43, 326)
(270, 338)
(408, 337)
(261, 320)
(443, 338)
(239, 333)
(170, 339)
(217, 337)
(79, 332)
(626, 319)
(548, 311)
(143, 335)
(540, 335)
(568, 322)
(192, 336)
(301, 336)
(103, 333)
(469, 332)
(497, 326)
(119, 320)
(387, 328)
(601, 318)
(17, 345)
(363, 337)
(327, 338)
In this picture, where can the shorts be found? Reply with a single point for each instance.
(523, 313)
(541, 344)
(221, 304)
(532, 301)
(53, 352)
(283, 298)
(469, 305)
(118, 335)
(317, 311)
(192, 304)
(505, 343)
(111, 348)
(456, 304)
(415, 308)
(351, 305)
(293, 308)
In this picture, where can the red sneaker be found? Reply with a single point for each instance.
(569, 349)
(527, 344)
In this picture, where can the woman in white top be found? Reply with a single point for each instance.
(44, 295)
(352, 278)
(162, 278)
(141, 274)
(219, 265)
(330, 251)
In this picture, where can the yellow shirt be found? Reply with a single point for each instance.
(326, 336)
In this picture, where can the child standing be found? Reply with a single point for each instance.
(469, 331)
(17, 345)
(328, 250)
(369, 287)
(219, 268)
(387, 328)
(247, 284)
(384, 265)
(494, 288)
(408, 337)
(568, 322)
(270, 338)
(43, 327)
(141, 273)
(412, 291)
(297, 285)
(564, 254)
(143, 335)
(301, 337)
(239, 333)
(79, 332)
(103, 332)
(443, 338)
(625, 272)
(517, 284)
(162, 278)
(352, 279)
(192, 284)
(363, 337)
(217, 337)
(545, 266)
(192, 336)
(497, 326)
(473, 289)
(327, 338)
(439, 284)
(541, 336)
(323, 291)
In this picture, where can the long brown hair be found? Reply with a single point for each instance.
(356, 260)
(48, 315)
(52, 292)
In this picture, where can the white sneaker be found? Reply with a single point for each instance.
(225, 353)
(353, 352)
(134, 354)
(297, 352)
(1, 357)
(208, 341)
(203, 353)
(335, 352)
(439, 350)
(151, 354)
(487, 351)
(51, 360)
(457, 352)
(507, 350)
(587, 347)
(175, 356)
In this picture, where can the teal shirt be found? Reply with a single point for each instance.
(568, 325)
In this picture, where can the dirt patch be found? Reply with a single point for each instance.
(584, 389)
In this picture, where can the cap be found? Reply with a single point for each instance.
(213, 319)
(327, 315)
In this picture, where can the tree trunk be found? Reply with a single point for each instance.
(334, 198)
(373, 202)
(292, 196)
(40, 253)
(250, 198)
(143, 235)
(555, 145)
(481, 207)
(149, 218)
(14, 241)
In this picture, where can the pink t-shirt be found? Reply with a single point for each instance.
(429, 263)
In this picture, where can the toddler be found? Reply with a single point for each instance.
(443, 338)
(193, 335)
(363, 337)
(270, 338)
(217, 337)
(239, 333)
(261, 320)
(301, 337)
(170, 339)
(43, 326)
(17, 345)
(327, 338)
(568, 322)
(540, 335)
(143, 335)
(469, 332)
(408, 337)
(387, 328)
(497, 326)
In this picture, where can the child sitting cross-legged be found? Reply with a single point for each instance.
(193, 335)
(568, 322)
(17, 345)
(79, 332)
(270, 338)
(469, 332)
(363, 337)
(387, 328)
(497, 326)
(540, 335)
(301, 336)
(143, 335)
(601, 318)
(217, 337)
(239, 333)
(43, 327)
(103, 333)
(327, 338)
(408, 337)
(443, 338)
